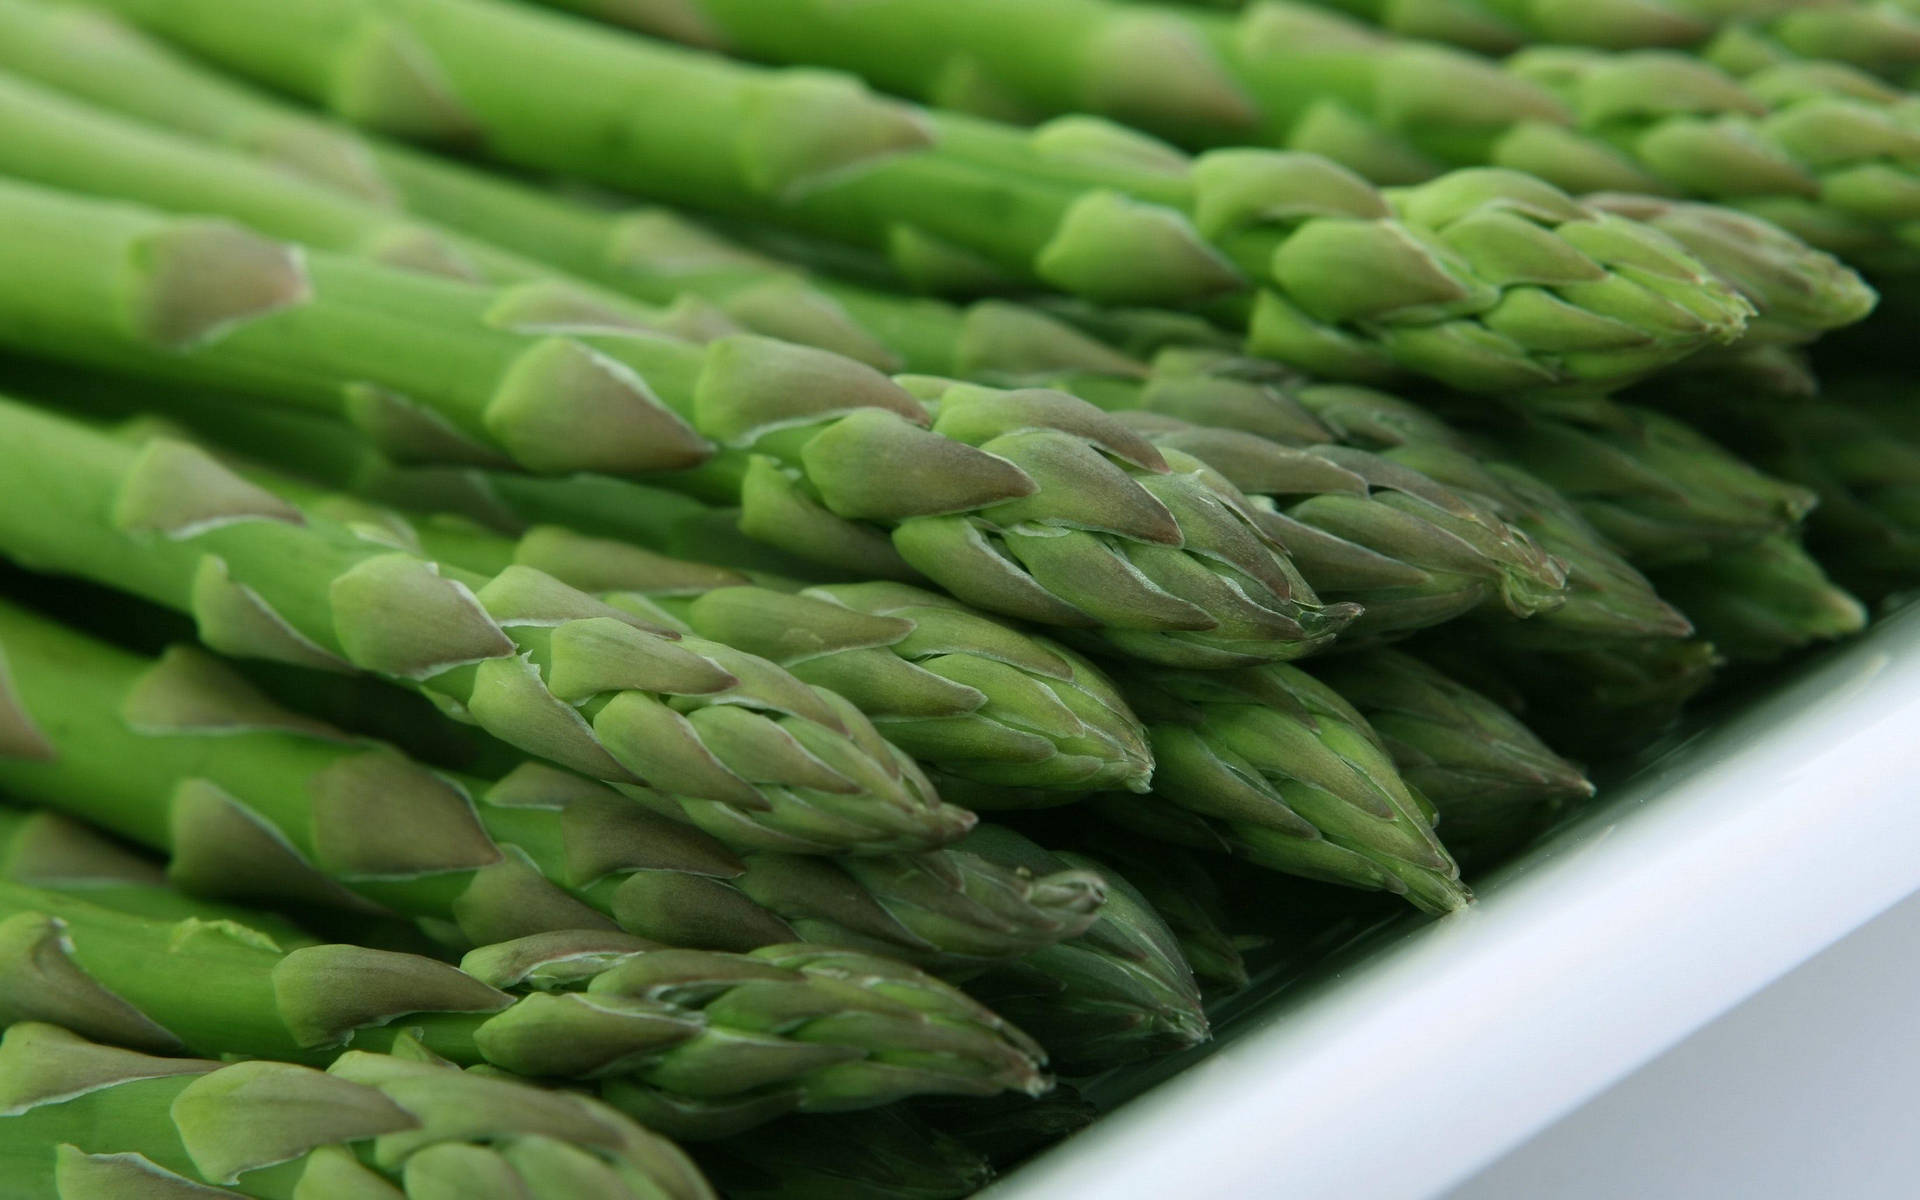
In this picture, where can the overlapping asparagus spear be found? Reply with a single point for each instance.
(1397, 111)
(1873, 34)
(1030, 503)
(255, 803)
(1119, 992)
(695, 1043)
(83, 1119)
(1493, 783)
(1274, 766)
(545, 667)
(1486, 280)
(40, 848)
(652, 254)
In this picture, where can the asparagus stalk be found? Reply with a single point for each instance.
(652, 254)
(1406, 548)
(1492, 781)
(1658, 489)
(1180, 886)
(254, 803)
(1411, 551)
(1120, 992)
(43, 849)
(1088, 209)
(546, 668)
(1759, 601)
(693, 1042)
(1864, 33)
(1591, 699)
(1030, 503)
(86, 1119)
(1397, 111)
(59, 142)
(980, 702)
(1606, 596)
(1847, 443)
(1274, 766)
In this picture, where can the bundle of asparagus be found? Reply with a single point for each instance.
(874, 703)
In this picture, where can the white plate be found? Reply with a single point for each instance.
(1718, 868)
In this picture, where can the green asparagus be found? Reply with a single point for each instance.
(1758, 601)
(1658, 489)
(1179, 885)
(652, 254)
(694, 1043)
(1486, 280)
(1493, 782)
(1865, 32)
(1397, 111)
(1595, 698)
(1606, 596)
(1120, 992)
(42, 849)
(548, 669)
(255, 803)
(90, 1120)
(979, 702)
(1030, 503)
(1844, 439)
(1272, 765)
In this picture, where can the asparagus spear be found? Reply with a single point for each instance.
(1272, 765)
(1658, 489)
(1405, 547)
(93, 1120)
(1030, 502)
(1179, 885)
(1118, 993)
(978, 701)
(1846, 438)
(1085, 208)
(547, 668)
(1756, 602)
(1411, 551)
(1397, 111)
(1492, 781)
(43, 849)
(652, 254)
(60, 142)
(1606, 596)
(1866, 33)
(1591, 699)
(255, 803)
(695, 1043)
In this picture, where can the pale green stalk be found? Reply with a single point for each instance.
(254, 803)
(1083, 207)
(693, 1042)
(548, 669)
